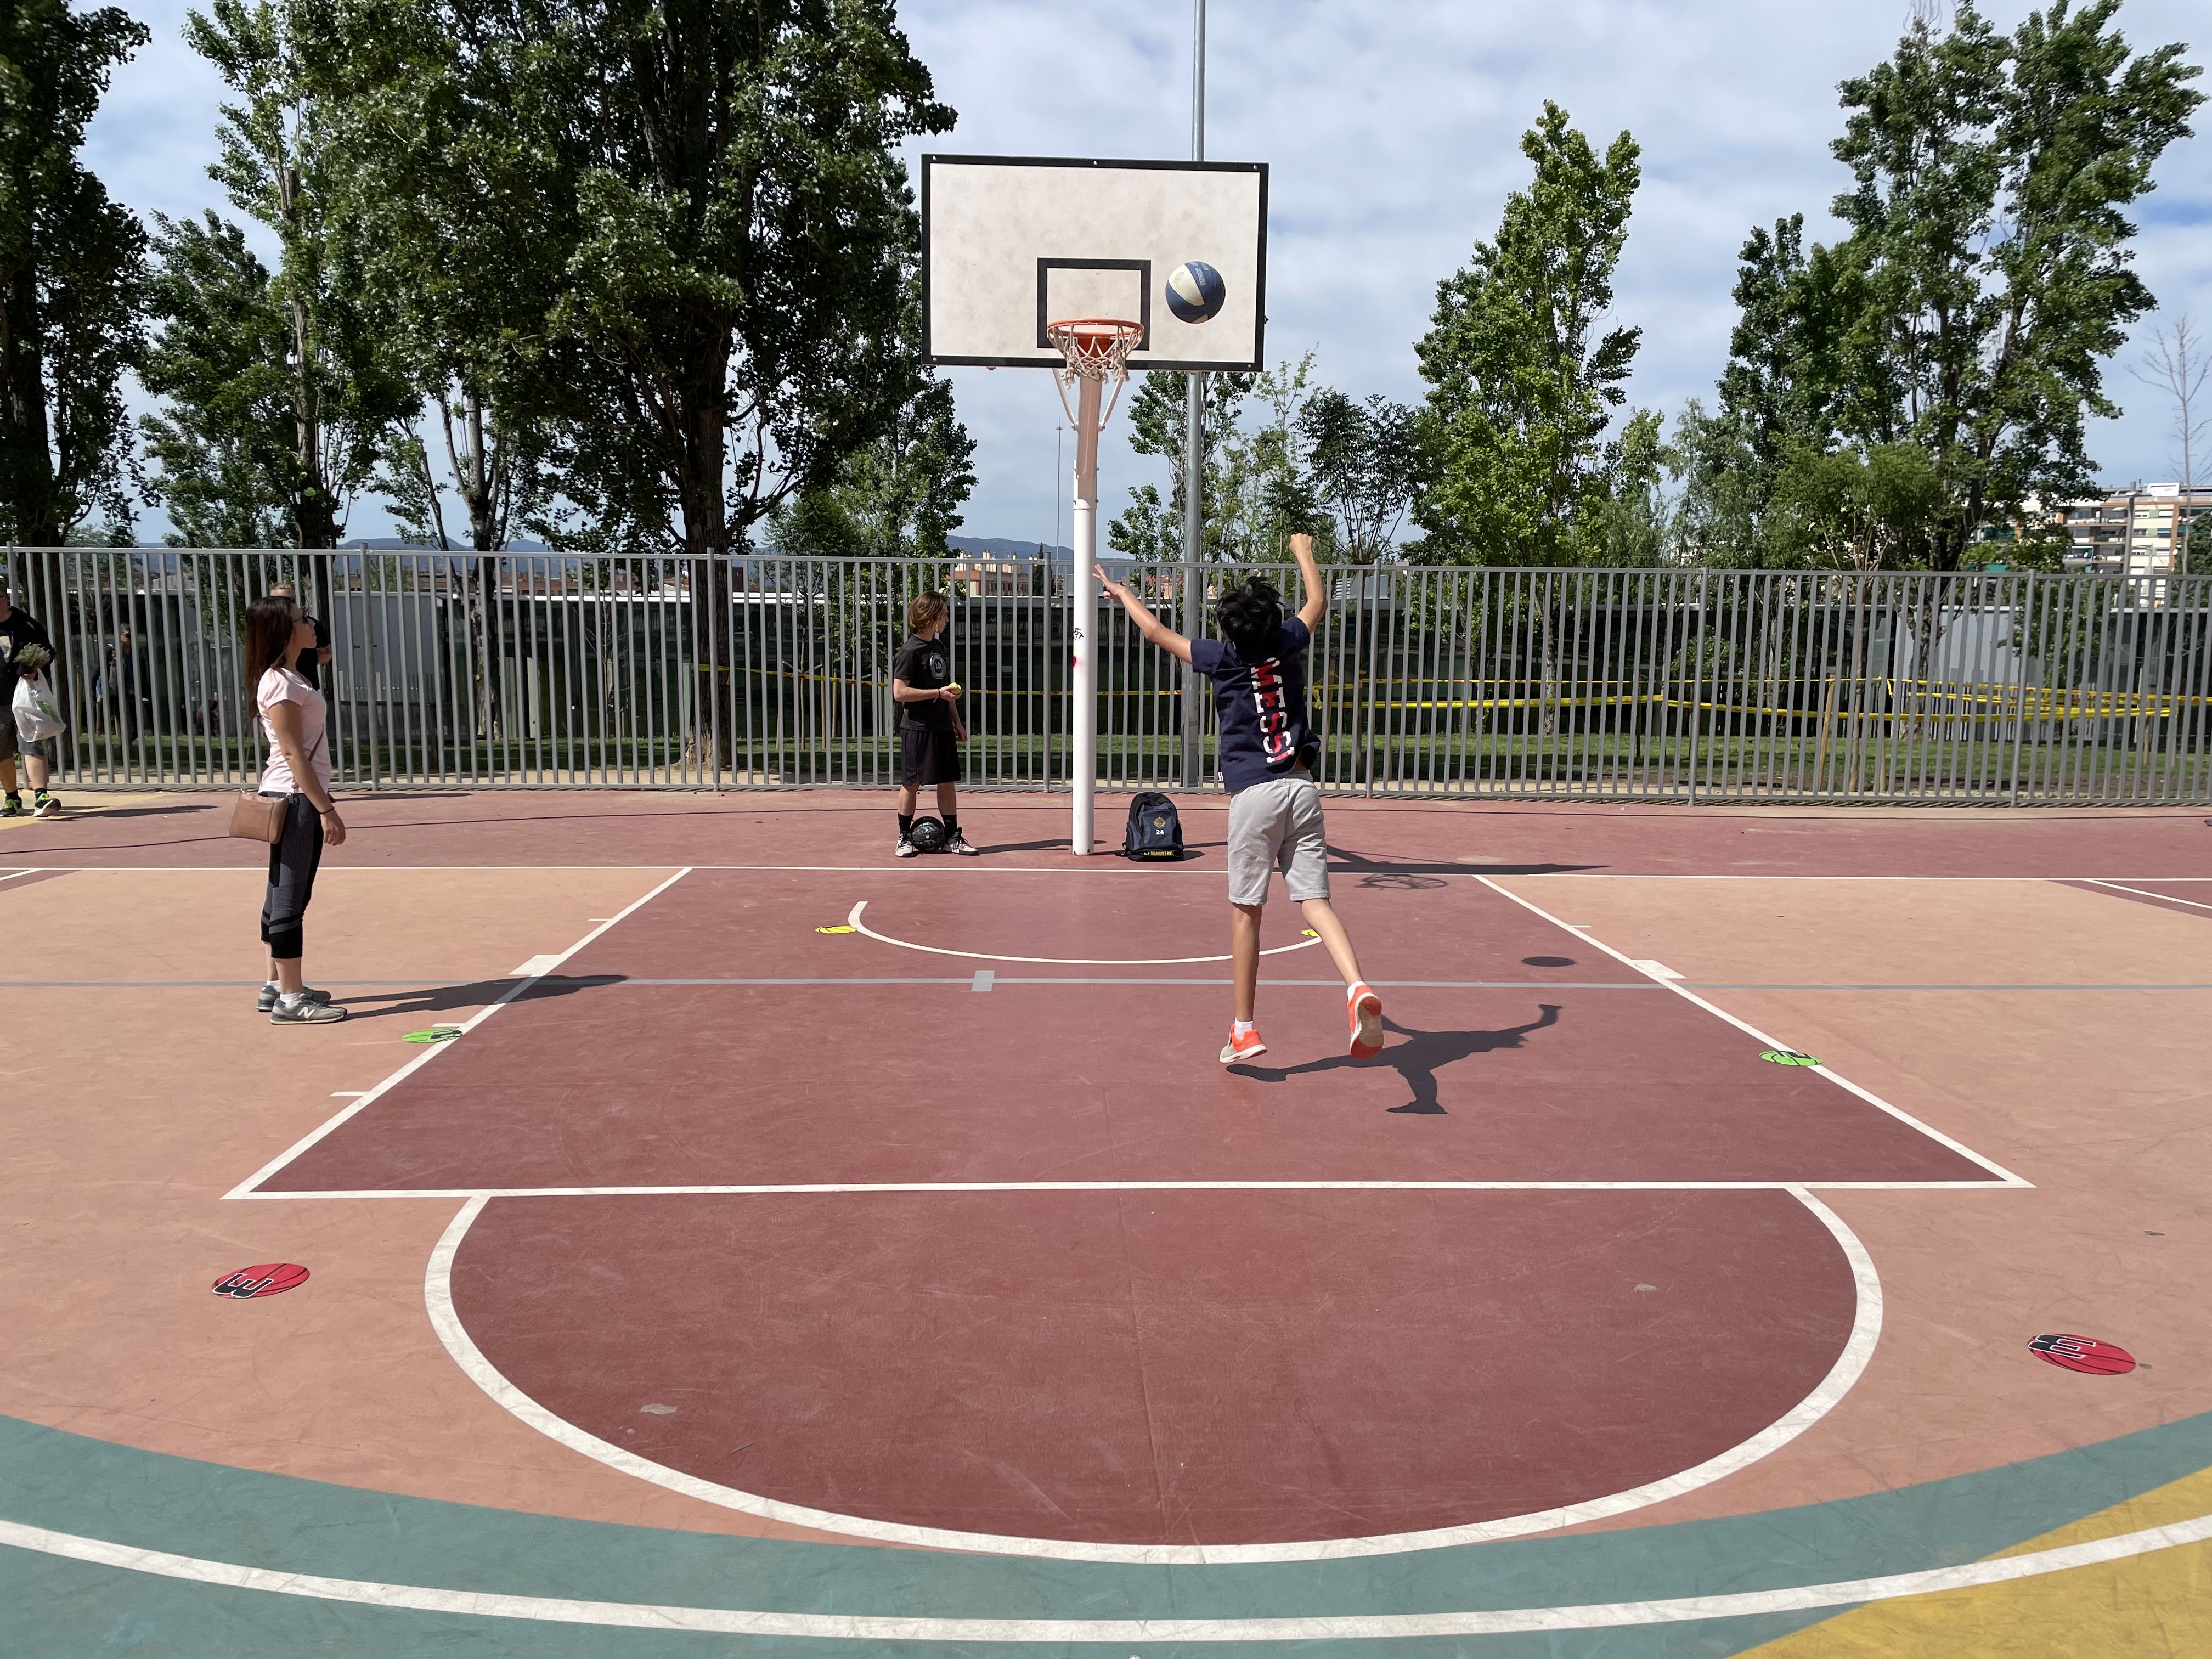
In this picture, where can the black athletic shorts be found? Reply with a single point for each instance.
(927, 756)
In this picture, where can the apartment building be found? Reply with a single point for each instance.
(2140, 530)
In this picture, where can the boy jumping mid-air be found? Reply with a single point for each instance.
(1267, 750)
(930, 729)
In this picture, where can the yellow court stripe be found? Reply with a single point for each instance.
(2155, 1606)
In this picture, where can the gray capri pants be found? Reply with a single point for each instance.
(1277, 825)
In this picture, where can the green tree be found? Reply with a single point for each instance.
(437, 205)
(1523, 382)
(1364, 461)
(721, 188)
(1150, 529)
(1266, 490)
(72, 276)
(225, 447)
(244, 351)
(898, 497)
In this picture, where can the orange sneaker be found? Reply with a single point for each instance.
(1366, 1011)
(1242, 1048)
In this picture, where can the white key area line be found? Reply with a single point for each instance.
(2122, 887)
(244, 1189)
(770, 1189)
(1681, 990)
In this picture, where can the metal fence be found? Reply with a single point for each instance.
(544, 670)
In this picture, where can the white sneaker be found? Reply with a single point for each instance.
(907, 849)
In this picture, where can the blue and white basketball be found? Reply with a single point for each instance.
(1195, 292)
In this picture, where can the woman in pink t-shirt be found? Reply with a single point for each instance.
(295, 721)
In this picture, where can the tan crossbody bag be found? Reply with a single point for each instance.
(257, 817)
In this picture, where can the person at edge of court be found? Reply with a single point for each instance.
(311, 663)
(1268, 752)
(295, 720)
(19, 628)
(930, 728)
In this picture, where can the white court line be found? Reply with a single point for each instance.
(2120, 887)
(770, 1189)
(1858, 1350)
(1718, 1012)
(854, 922)
(900, 1627)
(244, 1189)
(969, 867)
(12, 874)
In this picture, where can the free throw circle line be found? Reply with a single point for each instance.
(1850, 1362)
(854, 922)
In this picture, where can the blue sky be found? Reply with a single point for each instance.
(1391, 127)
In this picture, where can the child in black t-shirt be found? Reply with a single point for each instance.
(930, 730)
(1267, 751)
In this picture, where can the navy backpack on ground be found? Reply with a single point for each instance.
(1154, 832)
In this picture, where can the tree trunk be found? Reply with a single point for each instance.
(25, 458)
(707, 545)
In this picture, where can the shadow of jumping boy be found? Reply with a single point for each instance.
(1417, 1060)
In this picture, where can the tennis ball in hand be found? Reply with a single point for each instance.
(953, 686)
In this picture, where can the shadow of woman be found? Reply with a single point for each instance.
(1418, 1059)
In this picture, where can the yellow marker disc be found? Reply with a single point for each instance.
(1308, 933)
(841, 928)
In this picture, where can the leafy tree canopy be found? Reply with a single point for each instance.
(1986, 277)
(1523, 374)
(72, 276)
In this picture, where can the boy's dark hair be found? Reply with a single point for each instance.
(925, 608)
(1250, 617)
(269, 625)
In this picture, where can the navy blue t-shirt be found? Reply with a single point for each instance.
(1262, 705)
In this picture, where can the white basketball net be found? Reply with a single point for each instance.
(1096, 348)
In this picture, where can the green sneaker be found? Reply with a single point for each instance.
(13, 807)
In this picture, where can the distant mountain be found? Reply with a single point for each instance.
(397, 544)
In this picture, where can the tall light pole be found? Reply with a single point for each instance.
(1194, 445)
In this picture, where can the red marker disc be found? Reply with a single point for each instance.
(2083, 1353)
(269, 1279)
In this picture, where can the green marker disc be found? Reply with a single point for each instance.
(435, 1034)
(1789, 1057)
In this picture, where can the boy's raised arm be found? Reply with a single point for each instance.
(1316, 605)
(1147, 624)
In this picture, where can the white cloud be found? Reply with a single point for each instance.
(1392, 130)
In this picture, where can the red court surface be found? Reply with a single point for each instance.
(811, 1062)
(1166, 1368)
(717, 1093)
(780, 1197)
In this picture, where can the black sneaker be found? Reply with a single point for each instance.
(907, 849)
(12, 808)
(959, 844)
(44, 805)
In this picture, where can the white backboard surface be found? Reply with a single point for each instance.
(1011, 243)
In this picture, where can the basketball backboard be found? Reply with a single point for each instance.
(1013, 243)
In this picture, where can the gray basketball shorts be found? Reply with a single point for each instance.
(1277, 825)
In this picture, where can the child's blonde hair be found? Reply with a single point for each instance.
(926, 609)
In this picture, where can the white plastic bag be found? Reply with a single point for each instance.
(37, 716)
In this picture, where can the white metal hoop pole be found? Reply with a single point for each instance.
(1084, 629)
